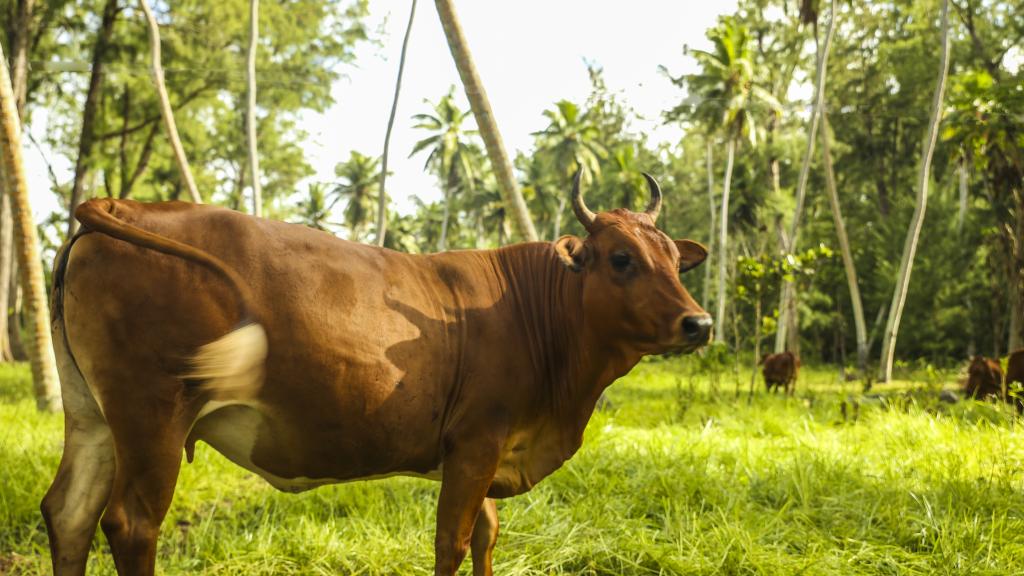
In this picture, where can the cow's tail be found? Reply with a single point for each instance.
(234, 360)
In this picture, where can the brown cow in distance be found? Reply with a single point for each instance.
(780, 370)
(984, 378)
(1015, 375)
(310, 360)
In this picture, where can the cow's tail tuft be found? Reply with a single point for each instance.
(232, 364)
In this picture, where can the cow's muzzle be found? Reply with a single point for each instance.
(697, 329)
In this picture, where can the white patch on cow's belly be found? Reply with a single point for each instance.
(231, 428)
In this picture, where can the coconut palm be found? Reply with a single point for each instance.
(314, 209)
(572, 141)
(450, 152)
(360, 182)
(723, 95)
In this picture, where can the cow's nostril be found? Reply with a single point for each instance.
(697, 328)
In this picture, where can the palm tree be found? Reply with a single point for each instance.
(314, 209)
(571, 142)
(44, 365)
(450, 152)
(165, 106)
(360, 181)
(899, 296)
(723, 95)
(481, 107)
(250, 109)
(382, 203)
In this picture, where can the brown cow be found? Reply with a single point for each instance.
(330, 361)
(984, 378)
(780, 370)
(1015, 375)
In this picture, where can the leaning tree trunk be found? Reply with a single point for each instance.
(165, 106)
(844, 247)
(382, 200)
(899, 296)
(250, 109)
(711, 226)
(44, 365)
(723, 241)
(481, 106)
(92, 98)
(787, 294)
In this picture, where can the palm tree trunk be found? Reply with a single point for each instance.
(711, 226)
(92, 98)
(6, 255)
(165, 106)
(723, 241)
(899, 296)
(442, 243)
(382, 201)
(788, 292)
(45, 381)
(22, 34)
(844, 247)
(481, 106)
(250, 109)
(556, 231)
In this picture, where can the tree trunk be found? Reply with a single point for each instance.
(250, 109)
(723, 241)
(22, 34)
(481, 107)
(92, 98)
(844, 247)
(788, 291)
(711, 226)
(44, 365)
(556, 231)
(1015, 290)
(963, 176)
(165, 106)
(442, 243)
(6, 255)
(899, 296)
(757, 342)
(382, 201)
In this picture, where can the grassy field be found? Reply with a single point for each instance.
(673, 478)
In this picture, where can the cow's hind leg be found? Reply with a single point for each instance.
(148, 441)
(74, 502)
(485, 535)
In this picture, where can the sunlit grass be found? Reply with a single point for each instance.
(672, 479)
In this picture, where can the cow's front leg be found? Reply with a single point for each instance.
(468, 472)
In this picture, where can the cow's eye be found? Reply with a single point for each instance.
(620, 260)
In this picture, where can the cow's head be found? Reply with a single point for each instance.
(632, 292)
(979, 367)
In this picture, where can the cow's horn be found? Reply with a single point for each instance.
(654, 206)
(583, 214)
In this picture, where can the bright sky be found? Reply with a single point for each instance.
(529, 54)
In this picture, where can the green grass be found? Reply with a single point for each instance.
(672, 479)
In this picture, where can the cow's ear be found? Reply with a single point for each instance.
(573, 252)
(691, 254)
